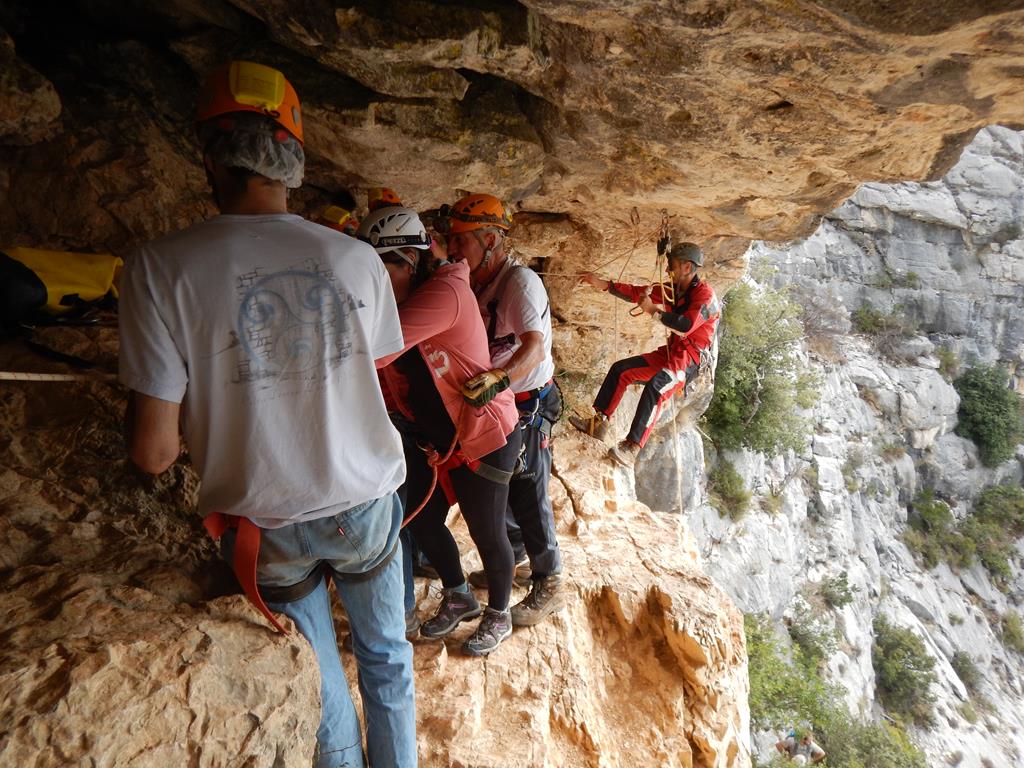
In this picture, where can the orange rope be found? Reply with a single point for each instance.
(435, 460)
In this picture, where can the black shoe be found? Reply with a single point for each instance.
(494, 627)
(454, 607)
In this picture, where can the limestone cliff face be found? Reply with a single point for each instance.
(946, 256)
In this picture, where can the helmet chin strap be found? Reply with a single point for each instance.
(488, 253)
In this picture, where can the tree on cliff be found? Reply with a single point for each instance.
(759, 385)
(990, 413)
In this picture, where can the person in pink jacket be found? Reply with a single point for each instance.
(475, 445)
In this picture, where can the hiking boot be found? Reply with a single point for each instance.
(521, 579)
(494, 627)
(455, 607)
(595, 426)
(624, 453)
(546, 596)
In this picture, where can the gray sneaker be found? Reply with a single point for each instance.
(546, 596)
(494, 627)
(478, 579)
(455, 607)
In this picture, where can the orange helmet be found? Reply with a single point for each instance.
(381, 197)
(474, 212)
(244, 86)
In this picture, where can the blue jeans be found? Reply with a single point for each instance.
(352, 542)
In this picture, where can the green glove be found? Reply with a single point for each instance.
(480, 390)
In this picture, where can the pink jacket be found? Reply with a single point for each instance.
(443, 319)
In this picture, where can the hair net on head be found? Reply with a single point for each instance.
(252, 143)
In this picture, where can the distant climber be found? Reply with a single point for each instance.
(257, 332)
(689, 309)
(799, 747)
(515, 309)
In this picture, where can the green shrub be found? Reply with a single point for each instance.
(996, 520)
(970, 714)
(816, 640)
(836, 591)
(990, 413)
(987, 533)
(933, 533)
(967, 671)
(949, 364)
(728, 494)
(903, 672)
(1013, 631)
(759, 382)
(867, 319)
(784, 693)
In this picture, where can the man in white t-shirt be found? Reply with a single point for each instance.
(800, 747)
(516, 312)
(258, 332)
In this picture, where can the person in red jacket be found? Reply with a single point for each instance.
(690, 311)
(445, 346)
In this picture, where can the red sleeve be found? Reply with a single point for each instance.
(701, 310)
(628, 292)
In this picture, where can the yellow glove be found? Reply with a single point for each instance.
(480, 390)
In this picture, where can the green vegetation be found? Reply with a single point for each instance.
(990, 413)
(785, 692)
(866, 319)
(903, 673)
(816, 640)
(1013, 631)
(987, 533)
(949, 365)
(967, 671)
(836, 591)
(854, 461)
(970, 714)
(728, 494)
(759, 382)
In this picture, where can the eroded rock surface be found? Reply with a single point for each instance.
(114, 651)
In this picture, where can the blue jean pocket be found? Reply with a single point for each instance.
(368, 529)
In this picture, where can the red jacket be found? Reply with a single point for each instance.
(692, 318)
(442, 318)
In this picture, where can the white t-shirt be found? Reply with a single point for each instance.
(266, 329)
(513, 303)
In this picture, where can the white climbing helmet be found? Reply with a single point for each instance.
(394, 228)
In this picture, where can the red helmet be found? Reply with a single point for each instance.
(244, 86)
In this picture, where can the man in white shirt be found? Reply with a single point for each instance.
(515, 309)
(258, 332)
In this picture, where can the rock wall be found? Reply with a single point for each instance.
(947, 257)
(121, 648)
(740, 120)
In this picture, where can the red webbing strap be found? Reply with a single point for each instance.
(247, 553)
(440, 465)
